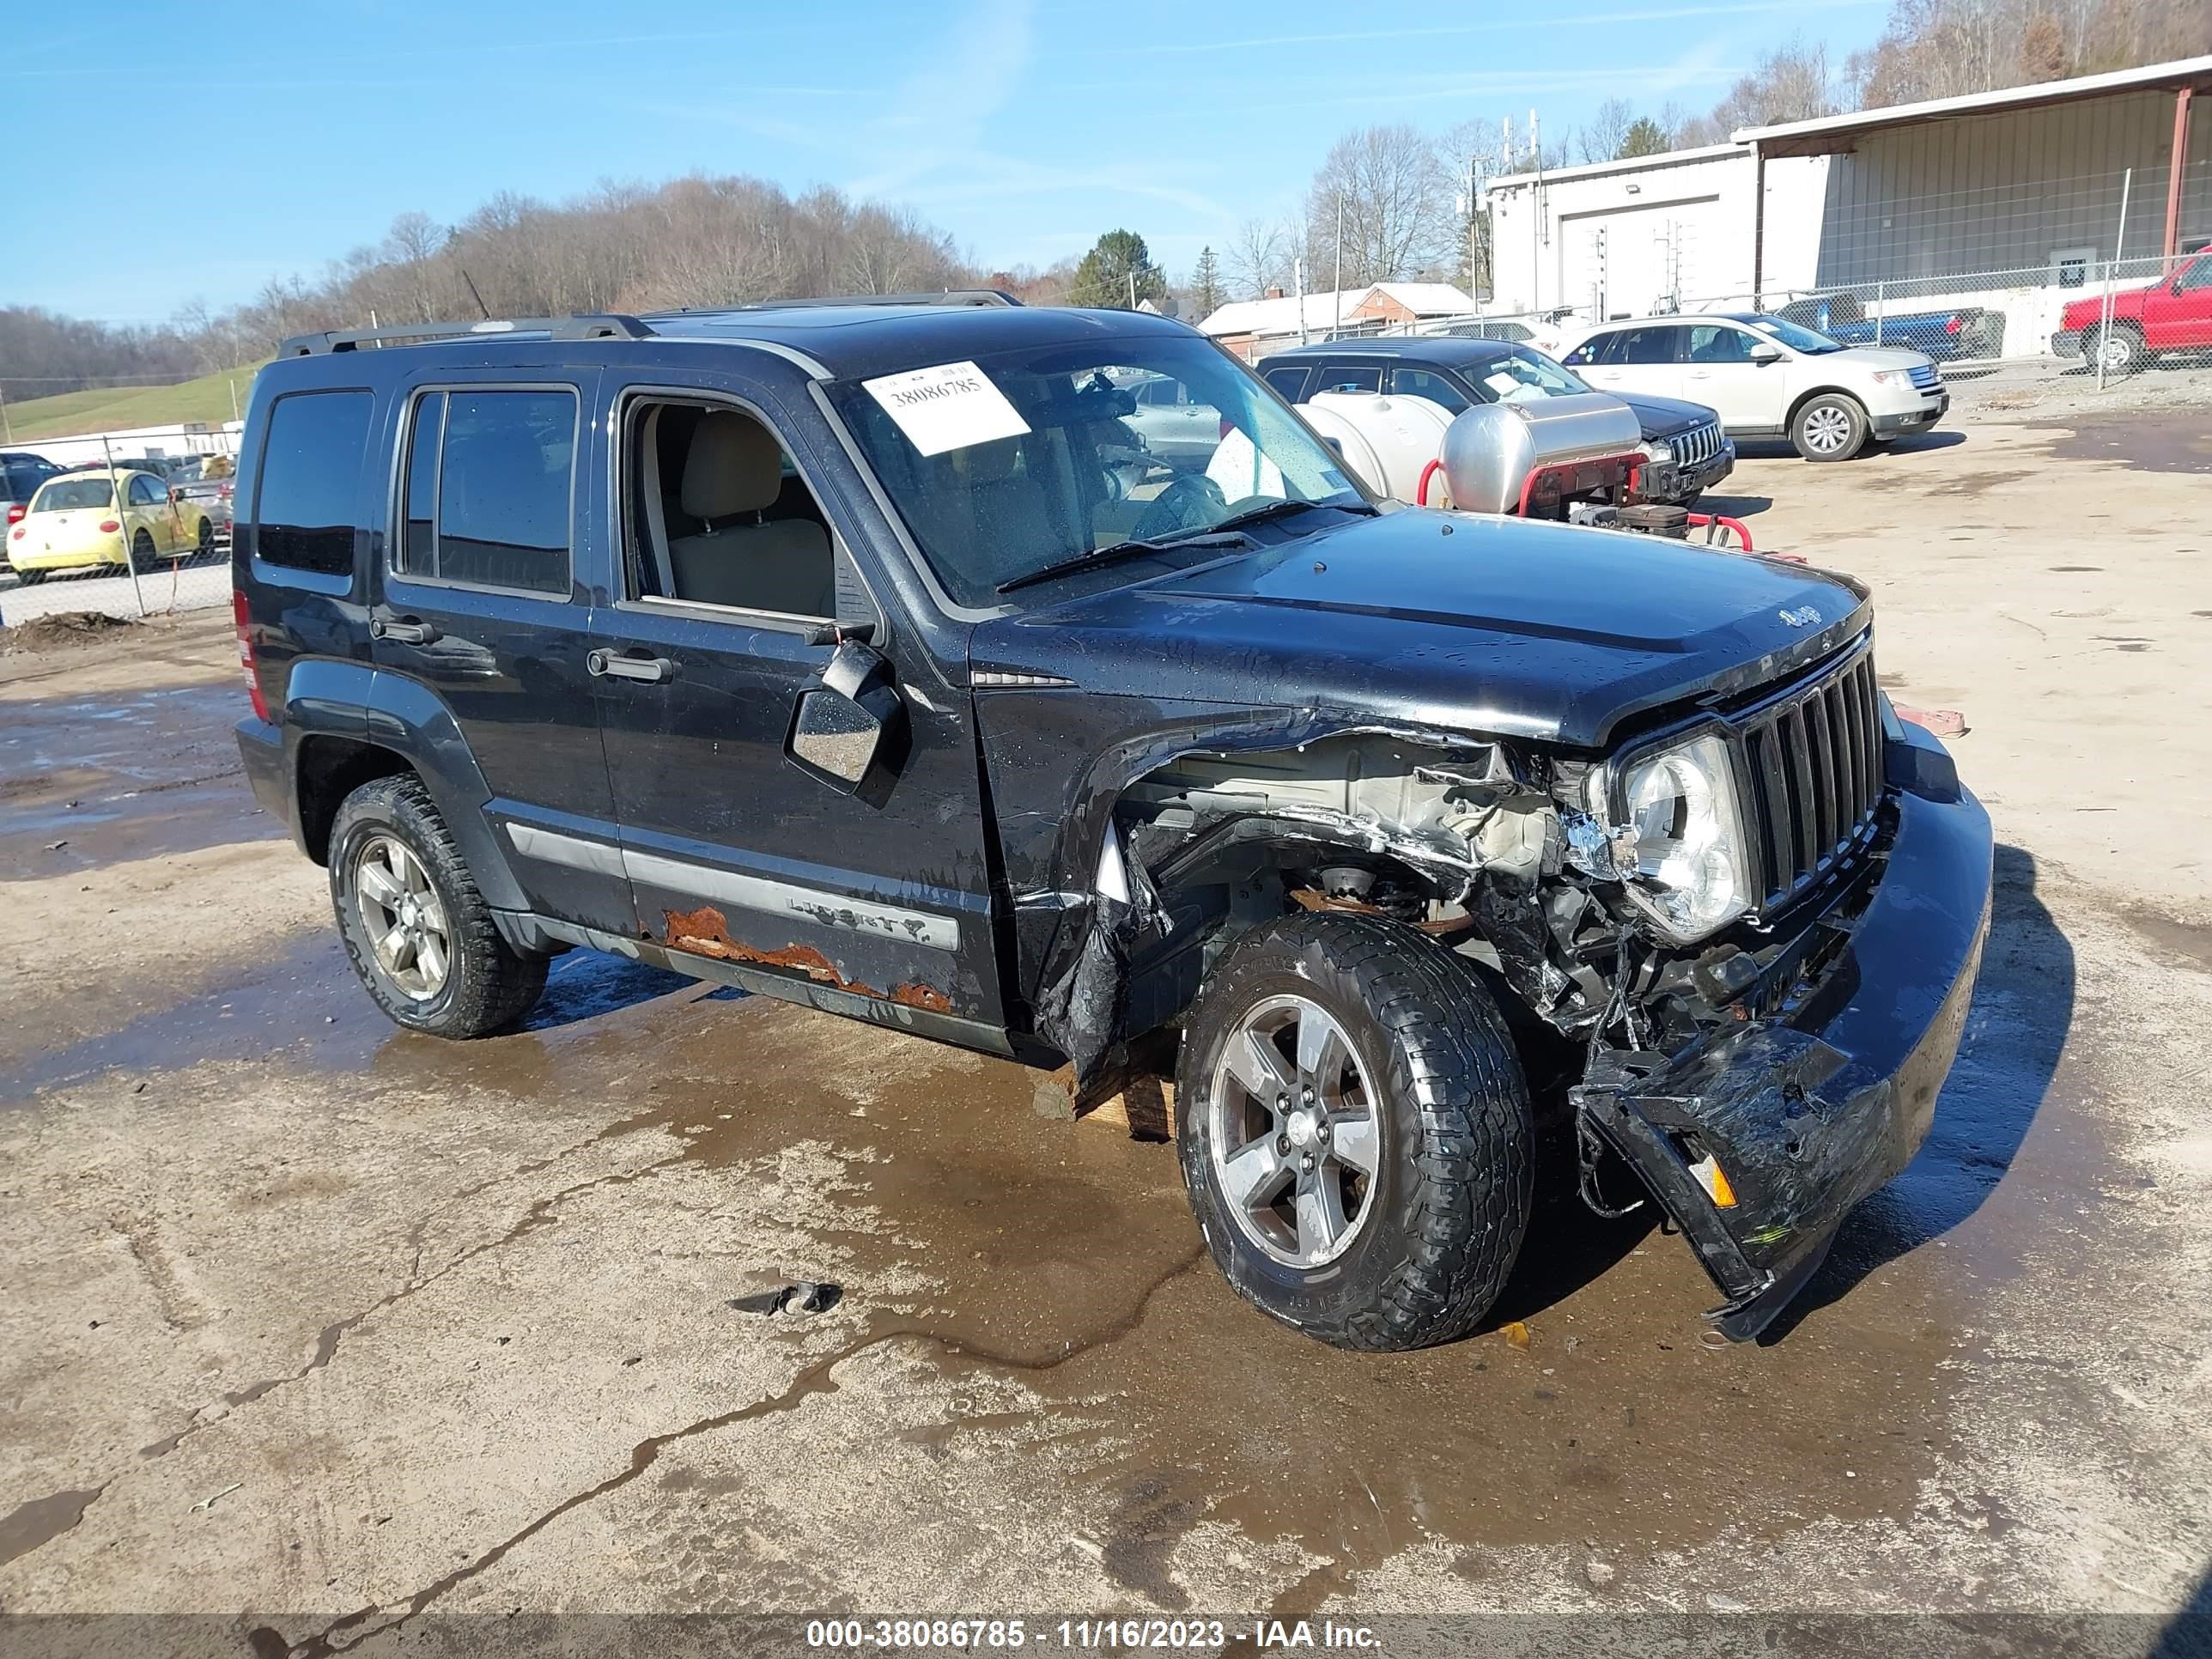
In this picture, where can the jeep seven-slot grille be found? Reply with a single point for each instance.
(1697, 445)
(1814, 758)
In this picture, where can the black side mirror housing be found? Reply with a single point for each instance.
(848, 727)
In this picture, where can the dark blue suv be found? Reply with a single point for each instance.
(863, 653)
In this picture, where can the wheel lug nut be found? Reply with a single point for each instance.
(1282, 1146)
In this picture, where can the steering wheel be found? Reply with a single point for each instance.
(1189, 503)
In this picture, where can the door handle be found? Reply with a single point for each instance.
(607, 664)
(408, 630)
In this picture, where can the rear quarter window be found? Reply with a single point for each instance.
(308, 496)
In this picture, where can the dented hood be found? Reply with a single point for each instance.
(1453, 622)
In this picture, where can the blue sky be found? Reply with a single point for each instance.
(285, 134)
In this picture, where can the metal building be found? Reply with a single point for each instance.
(2004, 199)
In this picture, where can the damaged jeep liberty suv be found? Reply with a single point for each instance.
(870, 654)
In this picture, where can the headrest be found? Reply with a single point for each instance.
(734, 466)
(988, 463)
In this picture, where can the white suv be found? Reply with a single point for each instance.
(1768, 378)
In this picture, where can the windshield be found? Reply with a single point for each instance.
(1796, 339)
(63, 494)
(1028, 459)
(1517, 374)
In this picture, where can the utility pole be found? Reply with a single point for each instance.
(1337, 280)
(7, 432)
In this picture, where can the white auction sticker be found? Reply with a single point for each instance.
(950, 406)
(1502, 382)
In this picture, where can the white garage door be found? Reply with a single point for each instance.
(1629, 262)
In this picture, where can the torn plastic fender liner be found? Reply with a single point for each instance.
(1079, 1001)
(1810, 1109)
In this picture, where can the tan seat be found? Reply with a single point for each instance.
(733, 473)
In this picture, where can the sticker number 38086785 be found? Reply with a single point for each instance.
(949, 407)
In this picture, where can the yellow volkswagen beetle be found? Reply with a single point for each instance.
(73, 524)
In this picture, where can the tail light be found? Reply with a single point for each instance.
(1953, 325)
(109, 526)
(246, 653)
(222, 491)
(15, 511)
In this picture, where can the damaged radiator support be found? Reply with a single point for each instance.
(1464, 840)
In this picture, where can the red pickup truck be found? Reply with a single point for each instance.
(2174, 313)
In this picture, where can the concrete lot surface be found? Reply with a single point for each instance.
(323, 1328)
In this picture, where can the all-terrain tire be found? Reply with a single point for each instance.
(1449, 1203)
(1831, 427)
(488, 984)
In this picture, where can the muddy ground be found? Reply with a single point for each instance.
(323, 1329)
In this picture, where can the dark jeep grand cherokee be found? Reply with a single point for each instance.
(858, 654)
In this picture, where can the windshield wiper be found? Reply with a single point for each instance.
(1276, 510)
(1209, 536)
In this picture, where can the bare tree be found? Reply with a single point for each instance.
(1600, 139)
(1259, 257)
(1393, 195)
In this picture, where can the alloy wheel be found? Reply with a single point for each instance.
(403, 917)
(1296, 1131)
(1827, 429)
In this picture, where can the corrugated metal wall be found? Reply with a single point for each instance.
(2001, 193)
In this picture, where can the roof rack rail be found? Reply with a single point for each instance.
(597, 325)
(945, 296)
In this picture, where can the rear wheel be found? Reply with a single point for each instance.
(419, 933)
(206, 538)
(30, 578)
(1831, 427)
(142, 550)
(1355, 1132)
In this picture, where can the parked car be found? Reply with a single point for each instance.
(826, 661)
(211, 496)
(1689, 452)
(1518, 333)
(21, 475)
(1940, 336)
(2172, 315)
(1768, 378)
(1174, 426)
(73, 524)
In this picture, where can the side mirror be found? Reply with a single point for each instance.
(1767, 352)
(849, 725)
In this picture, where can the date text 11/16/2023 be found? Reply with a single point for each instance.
(1108, 1634)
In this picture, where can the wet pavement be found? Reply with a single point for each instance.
(327, 1326)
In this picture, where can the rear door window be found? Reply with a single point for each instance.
(1349, 377)
(1645, 345)
(308, 496)
(490, 479)
(1288, 381)
(1427, 383)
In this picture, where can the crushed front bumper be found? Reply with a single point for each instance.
(1824, 1094)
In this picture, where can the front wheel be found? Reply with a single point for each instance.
(1829, 428)
(30, 578)
(1356, 1132)
(420, 935)
(2119, 350)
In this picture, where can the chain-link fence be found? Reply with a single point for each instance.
(129, 534)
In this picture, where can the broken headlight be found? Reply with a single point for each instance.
(1678, 836)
